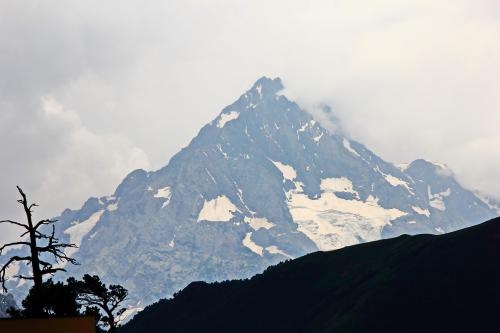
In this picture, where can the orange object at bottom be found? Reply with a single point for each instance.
(49, 325)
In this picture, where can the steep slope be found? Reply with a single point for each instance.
(6, 301)
(261, 183)
(445, 283)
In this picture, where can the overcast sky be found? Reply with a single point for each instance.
(90, 90)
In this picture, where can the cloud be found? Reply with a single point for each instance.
(60, 163)
(89, 89)
(476, 163)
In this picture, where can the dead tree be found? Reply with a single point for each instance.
(39, 244)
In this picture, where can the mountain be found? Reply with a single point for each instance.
(491, 202)
(6, 301)
(262, 183)
(423, 283)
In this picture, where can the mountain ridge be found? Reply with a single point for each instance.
(262, 183)
(408, 283)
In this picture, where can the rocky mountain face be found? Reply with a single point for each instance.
(261, 183)
(6, 301)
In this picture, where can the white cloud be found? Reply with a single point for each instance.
(62, 163)
(476, 163)
(416, 78)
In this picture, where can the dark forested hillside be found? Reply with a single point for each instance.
(417, 283)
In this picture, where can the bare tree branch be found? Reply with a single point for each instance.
(16, 223)
(12, 244)
(52, 270)
(42, 222)
(45, 264)
(3, 270)
(31, 206)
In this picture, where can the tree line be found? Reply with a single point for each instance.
(47, 298)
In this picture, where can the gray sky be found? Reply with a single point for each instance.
(90, 90)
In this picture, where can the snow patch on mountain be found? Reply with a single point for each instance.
(112, 207)
(288, 172)
(129, 312)
(257, 223)
(307, 125)
(259, 90)
(210, 176)
(227, 117)
(332, 222)
(220, 209)
(394, 181)
(421, 211)
(341, 184)
(318, 137)
(80, 230)
(436, 200)
(273, 249)
(164, 193)
(219, 148)
(247, 242)
(347, 145)
(440, 230)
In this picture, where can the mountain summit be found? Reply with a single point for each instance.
(261, 183)
(267, 87)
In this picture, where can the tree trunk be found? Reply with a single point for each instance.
(112, 325)
(35, 262)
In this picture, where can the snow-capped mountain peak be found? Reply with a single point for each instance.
(261, 183)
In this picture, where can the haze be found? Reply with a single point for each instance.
(91, 90)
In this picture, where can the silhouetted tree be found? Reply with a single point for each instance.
(39, 243)
(54, 299)
(93, 293)
(86, 297)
